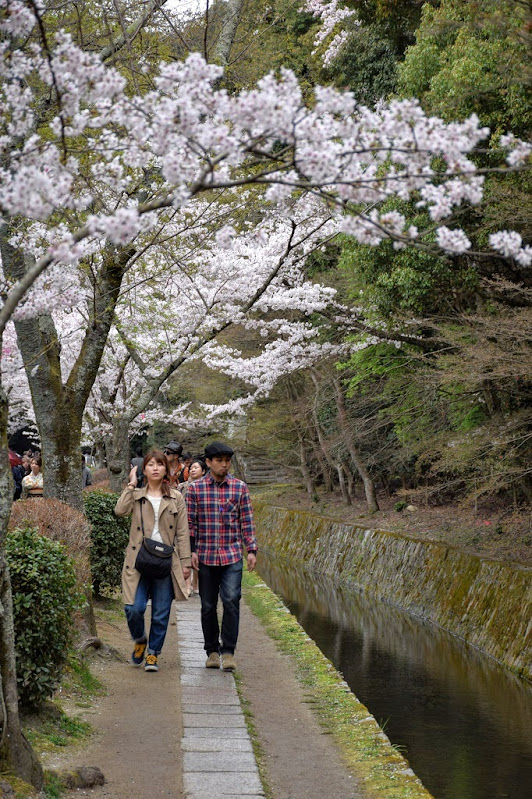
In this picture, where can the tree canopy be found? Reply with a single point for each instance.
(323, 202)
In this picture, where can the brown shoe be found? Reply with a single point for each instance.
(228, 661)
(213, 661)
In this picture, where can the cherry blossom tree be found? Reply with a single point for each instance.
(92, 171)
(234, 280)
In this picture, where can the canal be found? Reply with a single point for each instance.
(463, 722)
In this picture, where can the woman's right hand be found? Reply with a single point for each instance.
(133, 476)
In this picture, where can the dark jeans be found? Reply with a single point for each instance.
(162, 594)
(226, 582)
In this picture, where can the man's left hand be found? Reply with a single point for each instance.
(252, 560)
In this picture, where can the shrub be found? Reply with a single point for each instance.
(109, 537)
(59, 522)
(45, 598)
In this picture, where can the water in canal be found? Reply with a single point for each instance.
(463, 722)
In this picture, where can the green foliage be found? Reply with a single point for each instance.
(109, 537)
(376, 361)
(367, 62)
(408, 281)
(472, 58)
(45, 598)
(465, 410)
(270, 36)
(395, 20)
(367, 65)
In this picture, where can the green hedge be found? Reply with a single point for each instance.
(45, 598)
(109, 537)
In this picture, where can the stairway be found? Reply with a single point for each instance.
(257, 470)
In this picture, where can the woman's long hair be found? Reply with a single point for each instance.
(159, 457)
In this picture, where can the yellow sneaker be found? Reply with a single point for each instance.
(151, 663)
(138, 653)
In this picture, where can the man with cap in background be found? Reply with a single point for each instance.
(173, 452)
(220, 519)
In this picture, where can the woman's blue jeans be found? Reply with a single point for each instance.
(225, 581)
(161, 593)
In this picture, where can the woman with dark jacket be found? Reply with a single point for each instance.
(157, 512)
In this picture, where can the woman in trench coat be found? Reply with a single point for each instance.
(161, 512)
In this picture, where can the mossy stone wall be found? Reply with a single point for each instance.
(487, 603)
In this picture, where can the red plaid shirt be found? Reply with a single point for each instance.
(220, 518)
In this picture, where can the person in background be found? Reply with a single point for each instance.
(186, 460)
(158, 512)
(18, 472)
(197, 470)
(137, 463)
(32, 484)
(86, 477)
(173, 452)
(220, 519)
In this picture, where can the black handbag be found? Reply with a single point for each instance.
(154, 559)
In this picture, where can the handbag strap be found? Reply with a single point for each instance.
(142, 518)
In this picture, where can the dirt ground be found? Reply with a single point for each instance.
(137, 723)
(491, 530)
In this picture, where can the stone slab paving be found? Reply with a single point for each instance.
(218, 759)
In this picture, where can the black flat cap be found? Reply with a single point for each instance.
(174, 447)
(217, 448)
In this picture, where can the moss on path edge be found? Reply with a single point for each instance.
(382, 772)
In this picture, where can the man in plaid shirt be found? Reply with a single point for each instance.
(220, 519)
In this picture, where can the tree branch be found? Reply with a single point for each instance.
(129, 34)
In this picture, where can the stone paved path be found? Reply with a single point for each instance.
(218, 757)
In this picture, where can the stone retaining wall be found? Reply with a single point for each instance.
(487, 603)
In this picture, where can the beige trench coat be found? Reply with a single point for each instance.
(173, 527)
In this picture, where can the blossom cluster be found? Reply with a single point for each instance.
(108, 168)
(192, 137)
(330, 14)
(510, 244)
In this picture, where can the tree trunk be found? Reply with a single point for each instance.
(16, 754)
(350, 484)
(526, 487)
(354, 452)
(341, 480)
(307, 479)
(326, 462)
(230, 21)
(326, 455)
(118, 453)
(56, 412)
(59, 406)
